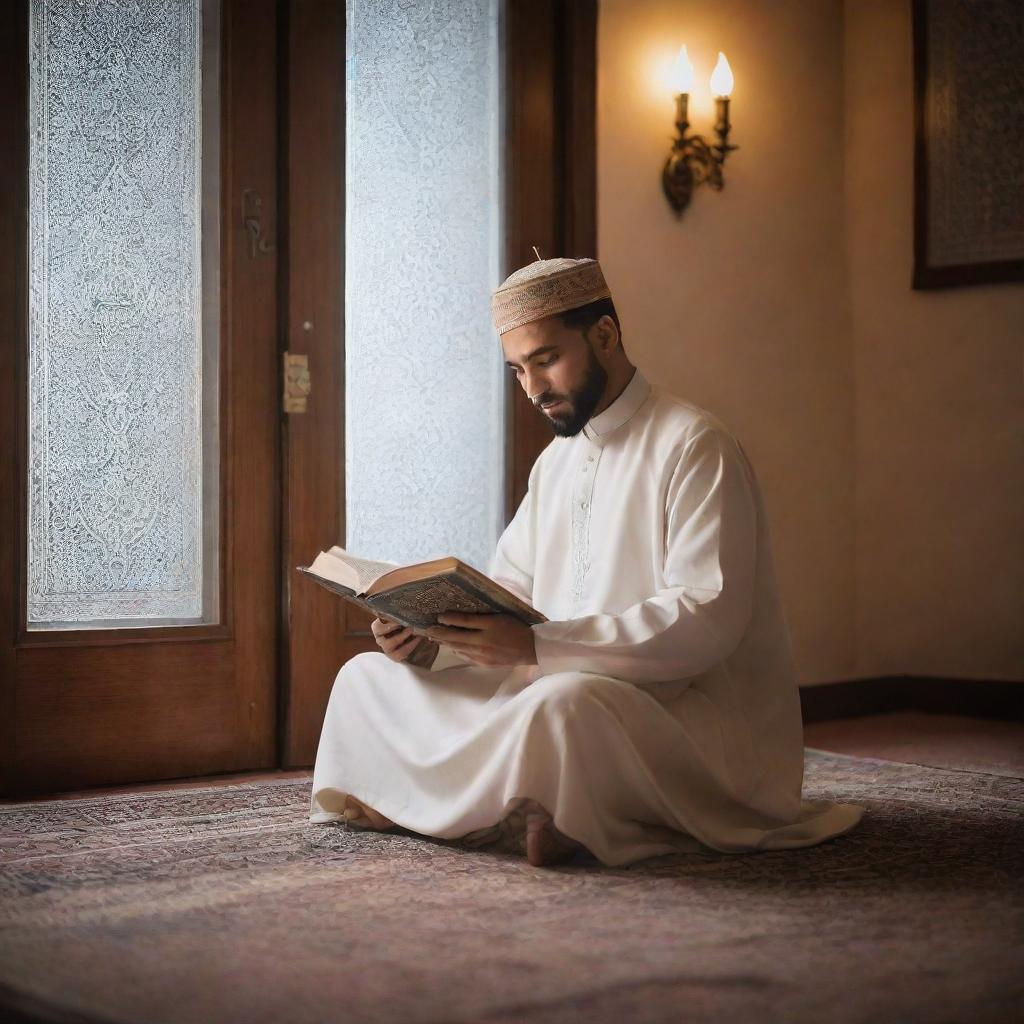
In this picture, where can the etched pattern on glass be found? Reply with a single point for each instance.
(424, 369)
(115, 378)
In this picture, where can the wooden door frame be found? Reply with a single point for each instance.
(312, 324)
(14, 300)
(550, 170)
(549, 174)
(238, 727)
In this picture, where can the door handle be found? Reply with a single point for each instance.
(297, 383)
(252, 223)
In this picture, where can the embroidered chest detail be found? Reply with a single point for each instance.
(582, 507)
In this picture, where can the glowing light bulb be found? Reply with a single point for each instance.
(681, 75)
(721, 77)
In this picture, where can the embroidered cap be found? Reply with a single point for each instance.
(544, 288)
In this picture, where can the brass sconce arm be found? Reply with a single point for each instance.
(692, 161)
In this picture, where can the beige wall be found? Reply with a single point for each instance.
(742, 306)
(939, 410)
(782, 304)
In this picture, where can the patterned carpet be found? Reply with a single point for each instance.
(224, 905)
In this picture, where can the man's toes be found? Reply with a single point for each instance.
(378, 821)
(355, 817)
(544, 843)
(358, 814)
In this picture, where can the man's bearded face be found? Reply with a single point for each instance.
(557, 368)
(571, 413)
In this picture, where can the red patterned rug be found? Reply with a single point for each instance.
(225, 905)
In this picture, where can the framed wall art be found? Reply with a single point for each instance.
(969, 142)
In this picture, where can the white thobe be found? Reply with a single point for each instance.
(663, 713)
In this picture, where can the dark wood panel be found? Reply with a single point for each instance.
(550, 87)
(578, 102)
(317, 630)
(149, 713)
(853, 698)
(532, 178)
(251, 428)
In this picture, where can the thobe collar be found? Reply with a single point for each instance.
(633, 395)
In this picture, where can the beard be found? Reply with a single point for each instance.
(582, 401)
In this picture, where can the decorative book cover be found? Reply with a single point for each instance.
(418, 602)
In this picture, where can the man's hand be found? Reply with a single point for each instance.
(402, 644)
(486, 639)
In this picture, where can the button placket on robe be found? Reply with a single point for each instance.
(582, 509)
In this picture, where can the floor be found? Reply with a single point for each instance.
(172, 904)
(916, 737)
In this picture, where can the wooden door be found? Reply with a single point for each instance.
(548, 94)
(90, 706)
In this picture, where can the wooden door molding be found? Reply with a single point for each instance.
(13, 327)
(111, 706)
(550, 170)
(316, 623)
(250, 431)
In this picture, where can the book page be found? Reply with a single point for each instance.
(366, 570)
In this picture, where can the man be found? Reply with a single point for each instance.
(656, 710)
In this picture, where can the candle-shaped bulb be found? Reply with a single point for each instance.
(682, 73)
(721, 77)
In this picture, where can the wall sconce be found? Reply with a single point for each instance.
(692, 161)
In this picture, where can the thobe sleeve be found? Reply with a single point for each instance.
(698, 618)
(511, 564)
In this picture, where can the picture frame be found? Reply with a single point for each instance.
(969, 142)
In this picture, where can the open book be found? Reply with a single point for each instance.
(414, 595)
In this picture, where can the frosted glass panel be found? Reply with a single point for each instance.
(119, 394)
(424, 375)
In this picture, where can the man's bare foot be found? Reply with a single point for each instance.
(544, 843)
(358, 814)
